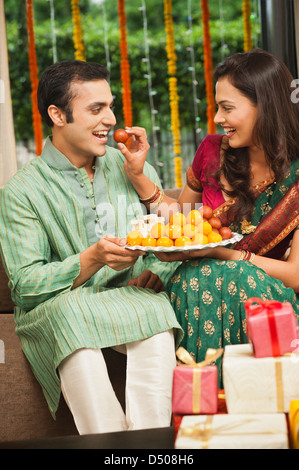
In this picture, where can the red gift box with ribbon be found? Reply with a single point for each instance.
(195, 385)
(272, 327)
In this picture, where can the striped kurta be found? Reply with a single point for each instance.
(43, 232)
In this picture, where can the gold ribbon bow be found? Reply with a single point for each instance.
(204, 431)
(187, 360)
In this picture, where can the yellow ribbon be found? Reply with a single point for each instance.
(279, 386)
(204, 431)
(187, 360)
(279, 381)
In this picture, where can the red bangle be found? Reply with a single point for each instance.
(153, 197)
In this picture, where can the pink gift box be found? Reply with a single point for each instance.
(195, 390)
(272, 327)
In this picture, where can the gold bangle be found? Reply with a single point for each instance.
(151, 198)
(159, 199)
(246, 256)
(243, 255)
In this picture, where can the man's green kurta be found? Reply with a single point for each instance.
(43, 232)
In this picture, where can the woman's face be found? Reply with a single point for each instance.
(236, 114)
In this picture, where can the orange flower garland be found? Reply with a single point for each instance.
(208, 66)
(80, 53)
(247, 25)
(125, 66)
(173, 93)
(33, 68)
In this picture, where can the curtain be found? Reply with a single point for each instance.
(8, 157)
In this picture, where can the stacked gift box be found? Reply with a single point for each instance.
(261, 386)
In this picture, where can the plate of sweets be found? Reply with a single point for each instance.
(198, 230)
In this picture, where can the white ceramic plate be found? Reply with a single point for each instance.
(236, 237)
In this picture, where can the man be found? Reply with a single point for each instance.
(77, 288)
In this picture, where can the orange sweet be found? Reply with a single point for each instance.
(206, 228)
(214, 237)
(200, 239)
(183, 241)
(173, 231)
(194, 217)
(165, 242)
(149, 241)
(178, 219)
(158, 230)
(134, 238)
(189, 230)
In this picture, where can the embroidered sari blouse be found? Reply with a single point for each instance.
(201, 177)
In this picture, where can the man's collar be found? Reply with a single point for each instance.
(53, 157)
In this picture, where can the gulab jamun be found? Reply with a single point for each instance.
(121, 136)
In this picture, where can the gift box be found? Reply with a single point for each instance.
(294, 424)
(259, 385)
(271, 327)
(195, 385)
(249, 431)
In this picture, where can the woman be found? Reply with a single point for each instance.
(249, 177)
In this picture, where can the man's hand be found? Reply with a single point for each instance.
(111, 251)
(148, 280)
(136, 155)
(108, 251)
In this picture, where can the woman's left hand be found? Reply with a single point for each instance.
(184, 255)
(136, 154)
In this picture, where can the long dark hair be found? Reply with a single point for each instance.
(55, 85)
(266, 82)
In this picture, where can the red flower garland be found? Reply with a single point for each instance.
(33, 68)
(125, 66)
(246, 11)
(208, 66)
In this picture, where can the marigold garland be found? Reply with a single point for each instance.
(125, 66)
(80, 53)
(173, 93)
(208, 66)
(33, 69)
(246, 10)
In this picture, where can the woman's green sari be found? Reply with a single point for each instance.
(208, 295)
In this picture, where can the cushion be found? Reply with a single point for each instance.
(24, 413)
